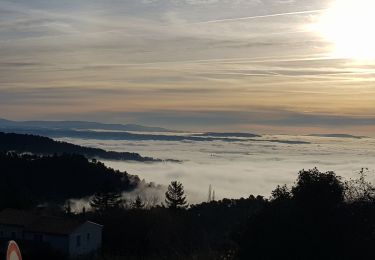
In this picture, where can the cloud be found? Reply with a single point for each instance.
(242, 168)
(263, 16)
(149, 58)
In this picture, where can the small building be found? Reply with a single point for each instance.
(69, 236)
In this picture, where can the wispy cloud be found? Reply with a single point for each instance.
(262, 16)
(167, 55)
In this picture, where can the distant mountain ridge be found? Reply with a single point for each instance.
(88, 130)
(337, 136)
(236, 134)
(108, 135)
(84, 125)
(25, 143)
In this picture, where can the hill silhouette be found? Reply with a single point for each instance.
(29, 180)
(338, 136)
(25, 143)
(78, 125)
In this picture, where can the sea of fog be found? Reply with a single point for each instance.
(239, 168)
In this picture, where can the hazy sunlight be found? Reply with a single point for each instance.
(348, 24)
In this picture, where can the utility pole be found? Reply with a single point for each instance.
(209, 193)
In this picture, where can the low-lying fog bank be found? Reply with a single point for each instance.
(244, 167)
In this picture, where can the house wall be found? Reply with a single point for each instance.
(86, 239)
(11, 232)
(57, 242)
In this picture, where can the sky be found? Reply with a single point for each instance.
(268, 66)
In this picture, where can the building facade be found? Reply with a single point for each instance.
(66, 235)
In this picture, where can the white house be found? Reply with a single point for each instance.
(69, 236)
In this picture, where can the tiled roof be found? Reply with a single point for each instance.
(16, 217)
(53, 225)
(32, 222)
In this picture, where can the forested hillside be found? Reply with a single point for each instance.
(24, 143)
(29, 180)
(321, 216)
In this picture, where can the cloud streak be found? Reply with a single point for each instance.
(262, 16)
(88, 58)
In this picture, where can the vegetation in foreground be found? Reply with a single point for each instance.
(321, 216)
(30, 180)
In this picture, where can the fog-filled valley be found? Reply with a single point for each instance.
(238, 168)
(153, 194)
(187, 129)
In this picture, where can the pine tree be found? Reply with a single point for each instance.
(175, 196)
(68, 207)
(138, 203)
(103, 201)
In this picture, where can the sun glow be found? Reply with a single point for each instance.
(349, 25)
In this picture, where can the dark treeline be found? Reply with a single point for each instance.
(28, 180)
(320, 217)
(204, 231)
(23, 143)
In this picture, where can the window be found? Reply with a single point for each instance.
(13, 234)
(78, 241)
(88, 237)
